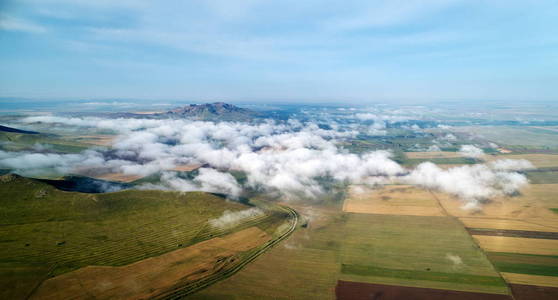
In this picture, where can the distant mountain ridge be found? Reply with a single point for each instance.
(211, 111)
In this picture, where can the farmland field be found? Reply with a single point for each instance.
(392, 200)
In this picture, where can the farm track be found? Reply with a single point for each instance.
(180, 292)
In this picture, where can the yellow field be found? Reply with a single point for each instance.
(305, 266)
(121, 177)
(531, 279)
(517, 245)
(530, 207)
(506, 224)
(392, 200)
(186, 168)
(150, 277)
(99, 140)
(434, 154)
(538, 160)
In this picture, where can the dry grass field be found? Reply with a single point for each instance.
(517, 245)
(538, 160)
(392, 200)
(98, 140)
(305, 266)
(530, 207)
(489, 223)
(433, 154)
(531, 279)
(186, 168)
(150, 277)
(120, 177)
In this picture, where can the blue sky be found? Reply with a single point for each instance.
(256, 50)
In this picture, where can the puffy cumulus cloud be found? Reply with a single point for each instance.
(511, 164)
(208, 180)
(214, 181)
(471, 151)
(230, 218)
(471, 183)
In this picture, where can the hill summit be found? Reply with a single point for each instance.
(212, 111)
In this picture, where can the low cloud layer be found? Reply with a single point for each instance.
(290, 159)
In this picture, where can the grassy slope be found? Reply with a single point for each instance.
(44, 230)
(11, 141)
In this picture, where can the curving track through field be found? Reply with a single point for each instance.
(185, 290)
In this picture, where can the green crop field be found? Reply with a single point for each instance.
(443, 254)
(45, 232)
(545, 265)
(542, 177)
(444, 161)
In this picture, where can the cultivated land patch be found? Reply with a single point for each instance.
(433, 252)
(529, 292)
(392, 200)
(507, 224)
(99, 140)
(538, 160)
(543, 265)
(530, 207)
(433, 154)
(517, 245)
(364, 291)
(514, 233)
(305, 266)
(528, 279)
(153, 276)
(186, 168)
(120, 177)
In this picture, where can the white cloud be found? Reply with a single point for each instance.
(471, 183)
(230, 219)
(471, 151)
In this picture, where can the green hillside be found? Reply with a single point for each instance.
(45, 231)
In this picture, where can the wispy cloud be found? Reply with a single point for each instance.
(16, 24)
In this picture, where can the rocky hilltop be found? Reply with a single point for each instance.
(211, 111)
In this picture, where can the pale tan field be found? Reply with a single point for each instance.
(152, 276)
(434, 154)
(447, 166)
(121, 177)
(531, 279)
(505, 224)
(186, 168)
(392, 200)
(531, 207)
(99, 140)
(517, 245)
(538, 160)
